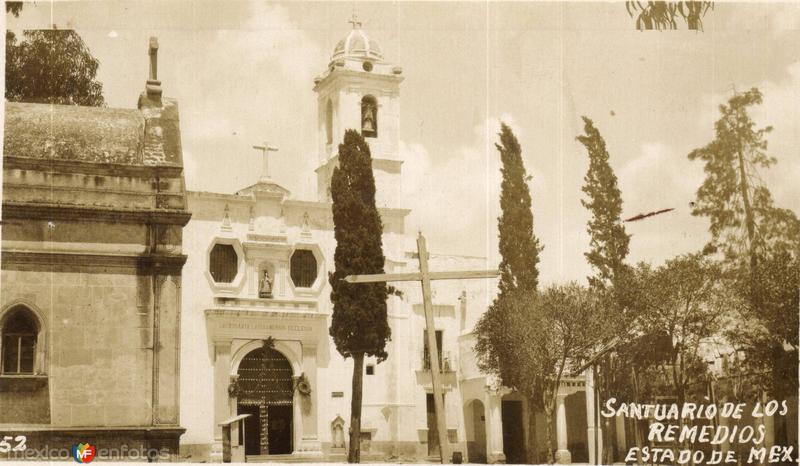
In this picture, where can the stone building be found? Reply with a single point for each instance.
(93, 212)
(255, 320)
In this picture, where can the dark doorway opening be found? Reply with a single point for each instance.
(279, 430)
(252, 425)
(513, 432)
(433, 433)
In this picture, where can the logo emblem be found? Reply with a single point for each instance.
(83, 452)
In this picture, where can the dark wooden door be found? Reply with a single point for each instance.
(513, 432)
(252, 430)
(279, 430)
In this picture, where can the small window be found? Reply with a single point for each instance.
(224, 263)
(19, 343)
(329, 122)
(426, 352)
(370, 369)
(303, 268)
(369, 117)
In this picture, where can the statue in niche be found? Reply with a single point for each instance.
(265, 287)
(369, 119)
(369, 126)
(337, 432)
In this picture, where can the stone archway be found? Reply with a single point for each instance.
(475, 427)
(265, 390)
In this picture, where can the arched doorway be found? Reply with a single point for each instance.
(265, 391)
(475, 426)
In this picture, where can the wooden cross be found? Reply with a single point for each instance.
(265, 150)
(424, 276)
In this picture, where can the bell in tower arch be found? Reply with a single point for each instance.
(369, 117)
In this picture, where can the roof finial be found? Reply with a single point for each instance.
(354, 20)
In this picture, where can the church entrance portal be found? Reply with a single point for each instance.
(265, 392)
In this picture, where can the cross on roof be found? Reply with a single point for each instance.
(354, 21)
(153, 52)
(265, 150)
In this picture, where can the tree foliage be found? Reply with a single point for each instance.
(684, 307)
(498, 349)
(519, 251)
(745, 223)
(555, 334)
(608, 244)
(359, 310)
(519, 247)
(359, 326)
(51, 66)
(757, 241)
(14, 8)
(664, 15)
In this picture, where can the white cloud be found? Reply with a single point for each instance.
(268, 65)
(455, 196)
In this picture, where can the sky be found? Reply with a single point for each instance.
(243, 73)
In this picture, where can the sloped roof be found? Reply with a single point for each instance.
(87, 134)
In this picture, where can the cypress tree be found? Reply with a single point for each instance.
(359, 326)
(608, 247)
(497, 345)
(609, 241)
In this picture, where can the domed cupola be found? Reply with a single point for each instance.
(357, 45)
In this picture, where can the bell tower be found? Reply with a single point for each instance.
(360, 91)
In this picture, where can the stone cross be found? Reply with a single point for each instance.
(265, 150)
(424, 277)
(153, 58)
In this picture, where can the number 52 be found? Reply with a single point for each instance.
(5, 446)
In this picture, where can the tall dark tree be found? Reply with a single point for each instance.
(360, 326)
(608, 247)
(519, 247)
(745, 223)
(51, 66)
(496, 346)
(608, 244)
(759, 244)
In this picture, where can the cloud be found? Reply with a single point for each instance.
(455, 195)
(267, 65)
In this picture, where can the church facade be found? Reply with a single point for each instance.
(255, 340)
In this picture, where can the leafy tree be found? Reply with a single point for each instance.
(758, 242)
(519, 249)
(359, 326)
(51, 66)
(745, 224)
(754, 237)
(662, 15)
(683, 302)
(553, 335)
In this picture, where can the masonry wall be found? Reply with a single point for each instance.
(99, 355)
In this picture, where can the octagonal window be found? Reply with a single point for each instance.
(223, 263)
(303, 268)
